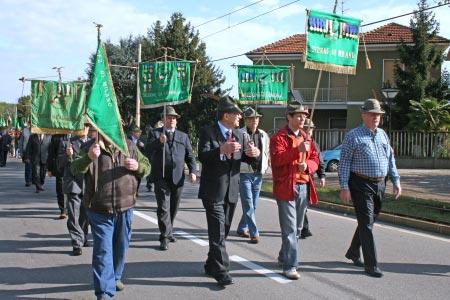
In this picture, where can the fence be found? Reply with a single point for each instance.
(406, 144)
(324, 94)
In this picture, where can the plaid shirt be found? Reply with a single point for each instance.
(367, 153)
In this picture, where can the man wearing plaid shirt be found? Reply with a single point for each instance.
(366, 159)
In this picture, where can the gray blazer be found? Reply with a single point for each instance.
(71, 183)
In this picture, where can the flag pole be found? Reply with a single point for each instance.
(97, 136)
(138, 90)
(164, 120)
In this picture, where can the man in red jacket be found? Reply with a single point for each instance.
(294, 161)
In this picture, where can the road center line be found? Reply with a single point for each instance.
(259, 269)
(240, 260)
(442, 239)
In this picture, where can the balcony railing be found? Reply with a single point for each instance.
(324, 94)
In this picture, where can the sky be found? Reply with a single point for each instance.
(38, 35)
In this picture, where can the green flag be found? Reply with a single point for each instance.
(57, 107)
(14, 122)
(164, 83)
(2, 122)
(261, 84)
(102, 109)
(331, 42)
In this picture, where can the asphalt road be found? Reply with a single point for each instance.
(36, 261)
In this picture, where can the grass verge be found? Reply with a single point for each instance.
(417, 208)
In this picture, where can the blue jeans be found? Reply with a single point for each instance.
(291, 215)
(111, 234)
(250, 186)
(28, 172)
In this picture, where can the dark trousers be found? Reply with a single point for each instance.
(60, 194)
(217, 263)
(28, 172)
(167, 207)
(77, 222)
(228, 209)
(3, 157)
(38, 172)
(366, 197)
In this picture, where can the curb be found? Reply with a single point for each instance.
(385, 217)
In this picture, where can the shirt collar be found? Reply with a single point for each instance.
(223, 129)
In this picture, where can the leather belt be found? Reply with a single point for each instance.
(371, 179)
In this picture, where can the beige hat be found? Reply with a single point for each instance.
(170, 111)
(372, 106)
(296, 107)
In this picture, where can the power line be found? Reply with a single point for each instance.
(248, 20)
(229, 13)
(372, 23)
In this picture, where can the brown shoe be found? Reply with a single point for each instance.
(244, 234)
(62, 216)
(254, 240)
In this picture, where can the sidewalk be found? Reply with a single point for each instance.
(420, 183)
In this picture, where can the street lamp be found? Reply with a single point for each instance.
(390, 94)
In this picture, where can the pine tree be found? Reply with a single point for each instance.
(422, 61)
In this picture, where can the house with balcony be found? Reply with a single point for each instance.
(339, 96)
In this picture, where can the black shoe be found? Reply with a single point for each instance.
(373, 272)
(77, 251)
(225, 280)
(27, 184)
(172, 239)
(86, 244)
(163, 246)
(305, 234)
(356, 260)
(39, 187)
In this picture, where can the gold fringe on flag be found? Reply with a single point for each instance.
(330, 68)
(55, 131)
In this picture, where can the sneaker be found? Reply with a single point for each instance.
(119, 286)
(291, 274)
(254, 240)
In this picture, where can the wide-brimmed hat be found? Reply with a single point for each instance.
(227, 105)
(372, 106)
(296, 107)
(170, 111)
(309, 124)
(251, 113)
(136, 129)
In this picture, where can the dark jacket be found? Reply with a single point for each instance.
(114, 191)
(321, 169)
(177, 152)
(71, 183)
(52, 158)
(5, 142)
(37, 151)
(218, 176)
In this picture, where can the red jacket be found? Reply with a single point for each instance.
(284, 160)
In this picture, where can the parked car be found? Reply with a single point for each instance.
(331, 158)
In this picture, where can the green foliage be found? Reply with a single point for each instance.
(422, 61)
(24, 107)
(429, 114)
(185, 42)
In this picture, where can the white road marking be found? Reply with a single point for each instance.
(145, 217)
(442, 239)
(240, 260)
(259, 269)
(426, 182)
(191, 237)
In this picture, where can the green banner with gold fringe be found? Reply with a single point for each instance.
(331, 42)
(102, 109)
(263, 84)
(57, 107)
(163, 83)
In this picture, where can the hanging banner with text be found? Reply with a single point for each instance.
(331, 42)
(261, 84)
(57, 107)
(163, 83)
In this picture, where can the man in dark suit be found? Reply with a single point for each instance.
(220, 153)
(53, 170)
(5, 144)
(168, 171)
(77, 222)
(37, 154)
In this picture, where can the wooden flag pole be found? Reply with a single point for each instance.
(164, 120)
(138, 90)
